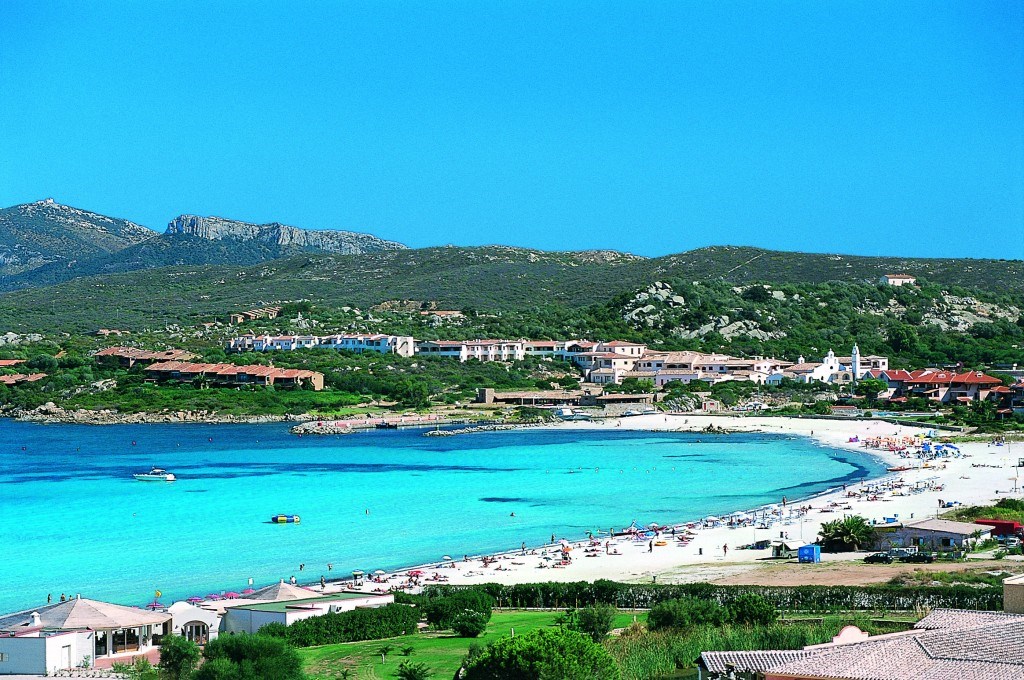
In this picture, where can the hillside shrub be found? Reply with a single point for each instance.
(752, 609)
(595, 621)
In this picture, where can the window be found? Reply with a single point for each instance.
(3, 657)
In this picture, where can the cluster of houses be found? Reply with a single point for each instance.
(17, 378)
(81, 632)
(601, 362)
(253, 314)
(177, 365)
(947, 387)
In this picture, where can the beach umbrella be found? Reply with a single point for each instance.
(231, 595)
(447, 557)
(194, 599)
(155, 604)
(248, 591)
(380, 572)
(712, 518)
(214, 596)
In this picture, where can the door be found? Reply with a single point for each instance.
(65, 656)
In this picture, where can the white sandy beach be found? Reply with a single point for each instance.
(703, 556)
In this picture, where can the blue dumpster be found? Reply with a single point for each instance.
(809, 553)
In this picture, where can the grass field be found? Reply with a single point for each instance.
(441, 652)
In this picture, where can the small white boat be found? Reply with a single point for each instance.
(155, 475)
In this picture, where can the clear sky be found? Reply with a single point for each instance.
(649, 127)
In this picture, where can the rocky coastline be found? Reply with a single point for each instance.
(53, 414)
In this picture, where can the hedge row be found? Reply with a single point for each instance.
(352, 626)
(785, 598)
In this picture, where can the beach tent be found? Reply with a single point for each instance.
(280, 592)
(787, 549)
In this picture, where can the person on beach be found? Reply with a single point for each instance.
(330, 566)
(302, 566)
(552, 538)
(524, 547)
(725, 549)
(292, 580)
(323, 582)
(650, 546)
(63, 597)
(49, 598)
(607, 546)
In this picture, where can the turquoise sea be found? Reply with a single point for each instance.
(74, 520)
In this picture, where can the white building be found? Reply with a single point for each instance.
(481, 350)
(402, 345)
(249, 618)
(898, 280)
(61, 635)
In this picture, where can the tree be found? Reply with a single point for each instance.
(594, 622)
(469, 624)
(686, 612)
(441, 611)
(250, 657)
(846, 534)
(871, 387)
(752, 609)
(542, 654)
(178, 657)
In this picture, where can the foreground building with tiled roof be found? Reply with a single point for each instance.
(948, 644)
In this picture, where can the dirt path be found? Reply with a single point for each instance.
(847, 572)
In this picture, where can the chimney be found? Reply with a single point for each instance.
(36, 621)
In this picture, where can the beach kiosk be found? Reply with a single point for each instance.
(809, 554)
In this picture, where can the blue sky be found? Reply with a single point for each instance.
(855, 127)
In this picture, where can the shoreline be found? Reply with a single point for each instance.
(702, 558)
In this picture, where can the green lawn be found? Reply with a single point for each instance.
(441, 652)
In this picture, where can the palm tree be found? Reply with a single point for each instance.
(846, 534)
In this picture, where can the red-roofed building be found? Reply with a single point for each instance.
(232, 375)
(7, 363)
(129, 356)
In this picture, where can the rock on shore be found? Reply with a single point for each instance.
(51, 413)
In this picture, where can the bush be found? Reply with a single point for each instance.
(413, 671)
(441, 611)
(250, 656)
(545, 653)
(178, 657)
(352, 626)
(752, 609)
(784, 598)
(686, 612)
(469, 624)
(594, 622)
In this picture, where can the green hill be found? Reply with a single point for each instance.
(486, 278)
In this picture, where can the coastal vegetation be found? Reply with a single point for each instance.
(817, 599)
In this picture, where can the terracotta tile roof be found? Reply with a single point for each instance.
(11, 362)
(975, 378)
(723, 662)
(960, 619)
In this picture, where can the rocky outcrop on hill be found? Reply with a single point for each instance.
(280, 235)
(36, 234)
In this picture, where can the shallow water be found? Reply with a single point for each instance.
(75, 521)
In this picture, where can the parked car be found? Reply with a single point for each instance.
(1012, 542)
(918, 558)
(879, 558)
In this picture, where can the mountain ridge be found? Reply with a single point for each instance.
(45, 243)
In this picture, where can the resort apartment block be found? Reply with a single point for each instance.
(384, 344)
